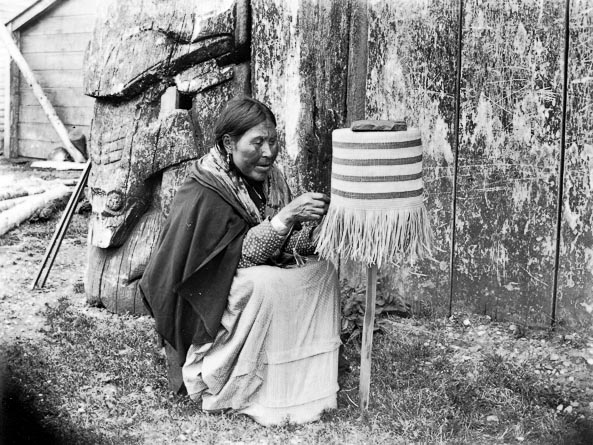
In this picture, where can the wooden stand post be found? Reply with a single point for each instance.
(367, 337)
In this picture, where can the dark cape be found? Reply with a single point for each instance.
(188, 278)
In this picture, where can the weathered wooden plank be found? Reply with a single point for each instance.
(411, 76)
(62, 24)
(36, 149)
(60, 97)
(44, 132)
(367, 338)
(59, 165)
(51, 8)
(56, 60)
(73, 115)
(509, 142)
(169, 36)
(575, 293)
(57, 79)
(303, 82)
(42, 43)
(357, 62)
(206, 108)
(12, 105)
(5, 89)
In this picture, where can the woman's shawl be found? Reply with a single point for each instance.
(189, 275)
(228, 179)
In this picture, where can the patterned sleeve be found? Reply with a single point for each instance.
(260, 244)
(301, 242)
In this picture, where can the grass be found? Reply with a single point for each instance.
(100, 379)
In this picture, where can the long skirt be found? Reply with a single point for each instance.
(275, 357)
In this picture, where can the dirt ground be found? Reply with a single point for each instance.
(21, 254)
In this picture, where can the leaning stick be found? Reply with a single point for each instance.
(56, 241)
(16, 55)
(367, 337)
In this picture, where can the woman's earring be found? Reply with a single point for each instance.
(228, 159)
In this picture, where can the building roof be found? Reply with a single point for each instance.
(32, 12)
(10, 8)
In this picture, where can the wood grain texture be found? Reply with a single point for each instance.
(206, 108)
(52, 24)
(40, 43)
(60, 78)
(141, 145)
(509, 145)
(12, 106)
(112, 275)
(138, 44)
(132, 149)
(575, 292)
(357, 62)
(42, 132)
(54, 44)
(69, 115)
(55, 60)
(367, 337)
(303, 81)
(411, 76)
(60, 97)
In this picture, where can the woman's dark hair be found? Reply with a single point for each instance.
(239, 115)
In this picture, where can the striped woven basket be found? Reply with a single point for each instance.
(377, 214)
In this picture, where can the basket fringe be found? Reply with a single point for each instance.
(375, 237)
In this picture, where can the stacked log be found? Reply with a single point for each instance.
(27, 207)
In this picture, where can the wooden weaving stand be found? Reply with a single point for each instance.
(367, 338)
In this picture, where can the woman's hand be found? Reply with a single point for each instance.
(307, 207)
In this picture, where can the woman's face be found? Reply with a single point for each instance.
(254, 152)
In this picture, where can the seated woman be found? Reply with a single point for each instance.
(234, 286)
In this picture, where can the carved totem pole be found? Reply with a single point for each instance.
(160, 72)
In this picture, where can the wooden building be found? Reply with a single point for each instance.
(509, 242)
(8, 9)
(52, 36)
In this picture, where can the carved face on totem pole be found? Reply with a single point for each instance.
(138, 50)
(160, 71)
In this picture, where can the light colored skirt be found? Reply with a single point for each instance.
(276, 356)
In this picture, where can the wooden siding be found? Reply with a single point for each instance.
(303, 81)
(506, 143)
(509, 158)
(411, 76)
(54, 46)
(8, 8)
(575, 296)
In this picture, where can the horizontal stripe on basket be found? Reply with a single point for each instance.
(376, 187)
(400, 153)
(377, 170)
(371, 137)
(377, 178)
(365, 162)
(392, 195)
(377, 204)
(376, 145)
